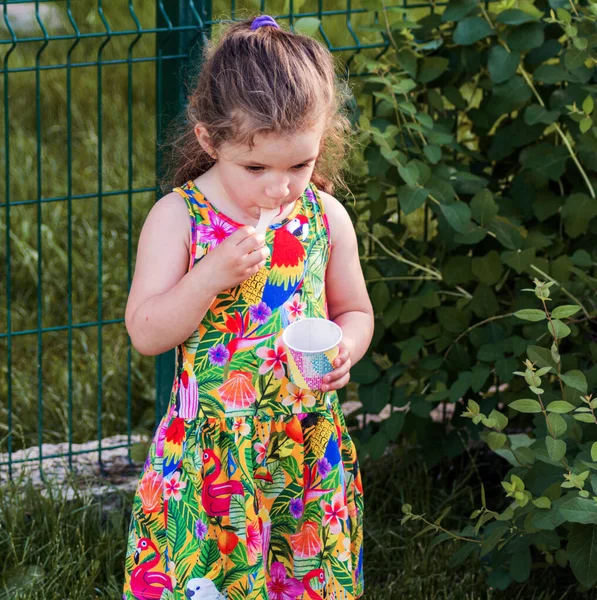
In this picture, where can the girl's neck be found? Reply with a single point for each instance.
(210, 186)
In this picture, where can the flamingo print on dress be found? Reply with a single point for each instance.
(215, 497)
(311, 593)
(145, 583)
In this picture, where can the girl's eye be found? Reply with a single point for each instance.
(260, 169)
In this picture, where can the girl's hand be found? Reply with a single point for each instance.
(238, 257)
(340, 376)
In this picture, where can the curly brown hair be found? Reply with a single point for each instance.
(264, 81)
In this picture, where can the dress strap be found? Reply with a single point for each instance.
(320, 215)
(191, 199)
(193, 205)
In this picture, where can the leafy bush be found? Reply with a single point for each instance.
(478, 170)
(475, 173)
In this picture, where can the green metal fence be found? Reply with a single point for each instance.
(88, 88)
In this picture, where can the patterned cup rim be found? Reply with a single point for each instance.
(334, 326)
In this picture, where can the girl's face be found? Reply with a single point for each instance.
(274, 173)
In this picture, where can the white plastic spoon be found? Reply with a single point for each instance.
(265, 218)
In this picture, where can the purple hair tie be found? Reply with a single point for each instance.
(264, 21)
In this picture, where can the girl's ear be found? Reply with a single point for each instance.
(204, 140)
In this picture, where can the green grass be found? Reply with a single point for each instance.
(50, 547)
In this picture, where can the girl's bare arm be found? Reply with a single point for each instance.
(348, 301)
(165, 302)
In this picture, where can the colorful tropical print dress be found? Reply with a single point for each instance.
(252, 488)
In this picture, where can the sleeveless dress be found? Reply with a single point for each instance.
(251, 488)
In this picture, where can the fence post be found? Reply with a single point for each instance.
(181, 20)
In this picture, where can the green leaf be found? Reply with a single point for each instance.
(307, 25)
(567, 310)
(535, 113)
(458, 216)
(555, 448)
(594, 452)
(575, 58)
(458, 9)
(488, 269)
(471, 30)
(541, 357)
(557, 423)
(526, 36)
(480, 375)
(520, 562)
(584, 417)
(411, 198)
(558, 329)
(495, 440)
(542, 502)
(545, 159)
(575, 379)
(483, 207)
(509, 96)
(410, 173)
(460, 386)
(433, 153)
(551, 74)
(484, 303)
(500, 419)
(514, 16)
(560, 407)
(586, 124)
(578, 210)
(530, 314)
(364, 371)
(579, 510)
(380, 296)
(502, 64)
(526, 406)
(582, 553)
(588, 105)
(519, 260)
(431, 68)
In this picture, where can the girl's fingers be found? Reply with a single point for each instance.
(337, 384)
(342, 357)
(337, 373)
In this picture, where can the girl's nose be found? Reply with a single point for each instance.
(278, 190)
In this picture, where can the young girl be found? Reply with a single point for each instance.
(251, 488)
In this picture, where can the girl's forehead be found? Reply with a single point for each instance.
(276, 148)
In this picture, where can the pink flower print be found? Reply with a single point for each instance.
(282, 588)
(273, 358)
(261, 450)
(253, 542)
(298, 398)
(217, 230)
(295, 307)
(173, 486)
(334, 513)
(241, 426)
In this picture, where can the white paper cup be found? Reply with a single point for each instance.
(312, 345)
